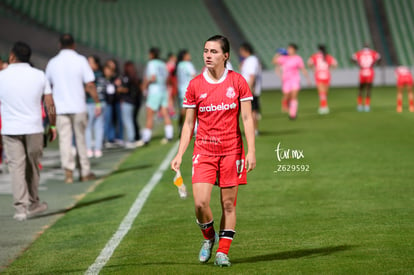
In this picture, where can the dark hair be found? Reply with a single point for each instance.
(323, 50)
(155, 52)
(224, 44)
(22, 51)
(131, 72)
(293, 45)
(97, 60)
(169, 55)
(66, 40)
(116, 71)
(247, 47)
(180, 58)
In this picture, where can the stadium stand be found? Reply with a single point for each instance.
(400, 17)
(341, 25)
(98, 24)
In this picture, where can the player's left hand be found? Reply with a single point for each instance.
(52, 134)
(250, 162)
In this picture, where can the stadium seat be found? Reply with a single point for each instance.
(400, 17)
(270, 24)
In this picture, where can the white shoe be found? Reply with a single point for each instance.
(98, 154)
(323, 110)
(367, 108)
(165, 141)
(360, 108)
(89, 153)
(130, 145)
(37, 209)
(140, 143)
(20, 217)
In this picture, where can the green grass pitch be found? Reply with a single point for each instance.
(351, 213)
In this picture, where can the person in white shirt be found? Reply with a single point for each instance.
(251, 70)
(70, 75)
(21, 90)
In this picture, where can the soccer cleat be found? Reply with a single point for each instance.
(367, 108)
(206, 248)
(222, 260)
(360, 108)
(165, 141)
(323, 110)
(140, 143)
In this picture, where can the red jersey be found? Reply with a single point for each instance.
(322, 64)
(366, 59)
(404, 76)
(217, 107)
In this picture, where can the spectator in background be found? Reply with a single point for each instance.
(117, 114)
(21, 90)
(171, 82)
(184, 72)
(155, 83)
(128, 89)
(70, 76)
(109, 117)
(251, 70)
(95, 128)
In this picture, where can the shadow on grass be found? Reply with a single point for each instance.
(295, 254)
(131, 168)
(80, 205)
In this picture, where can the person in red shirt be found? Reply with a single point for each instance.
(365, 59)
(404, 80)
(216, 98)
(321, 62)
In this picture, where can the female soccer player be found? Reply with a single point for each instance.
(155, 83)
(321, 62)
(216, 98)
(404, 79)
(184, 72)
(290, 65)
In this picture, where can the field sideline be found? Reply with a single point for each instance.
(351, 213)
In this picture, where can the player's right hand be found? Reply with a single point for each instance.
(175, 163)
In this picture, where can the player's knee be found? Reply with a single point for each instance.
(201, 205)
(228, 206)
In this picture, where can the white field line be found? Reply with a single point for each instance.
(127, 222)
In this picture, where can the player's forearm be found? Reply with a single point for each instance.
(91, 90)
(50, 109)
(186, 135)
(249, 133)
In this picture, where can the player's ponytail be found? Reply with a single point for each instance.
(224, 43)
(322, 49)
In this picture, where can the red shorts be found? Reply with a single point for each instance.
(404, 81)
(366, 77)
(227, 171)
(325, 81)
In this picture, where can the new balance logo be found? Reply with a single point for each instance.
(203, 96)
(221, 107)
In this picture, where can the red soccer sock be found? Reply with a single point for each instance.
(207, 229)
(399, 102)
(323, 100)
(226, 237)
(359, 100)
(367, 101)
(411, 102)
